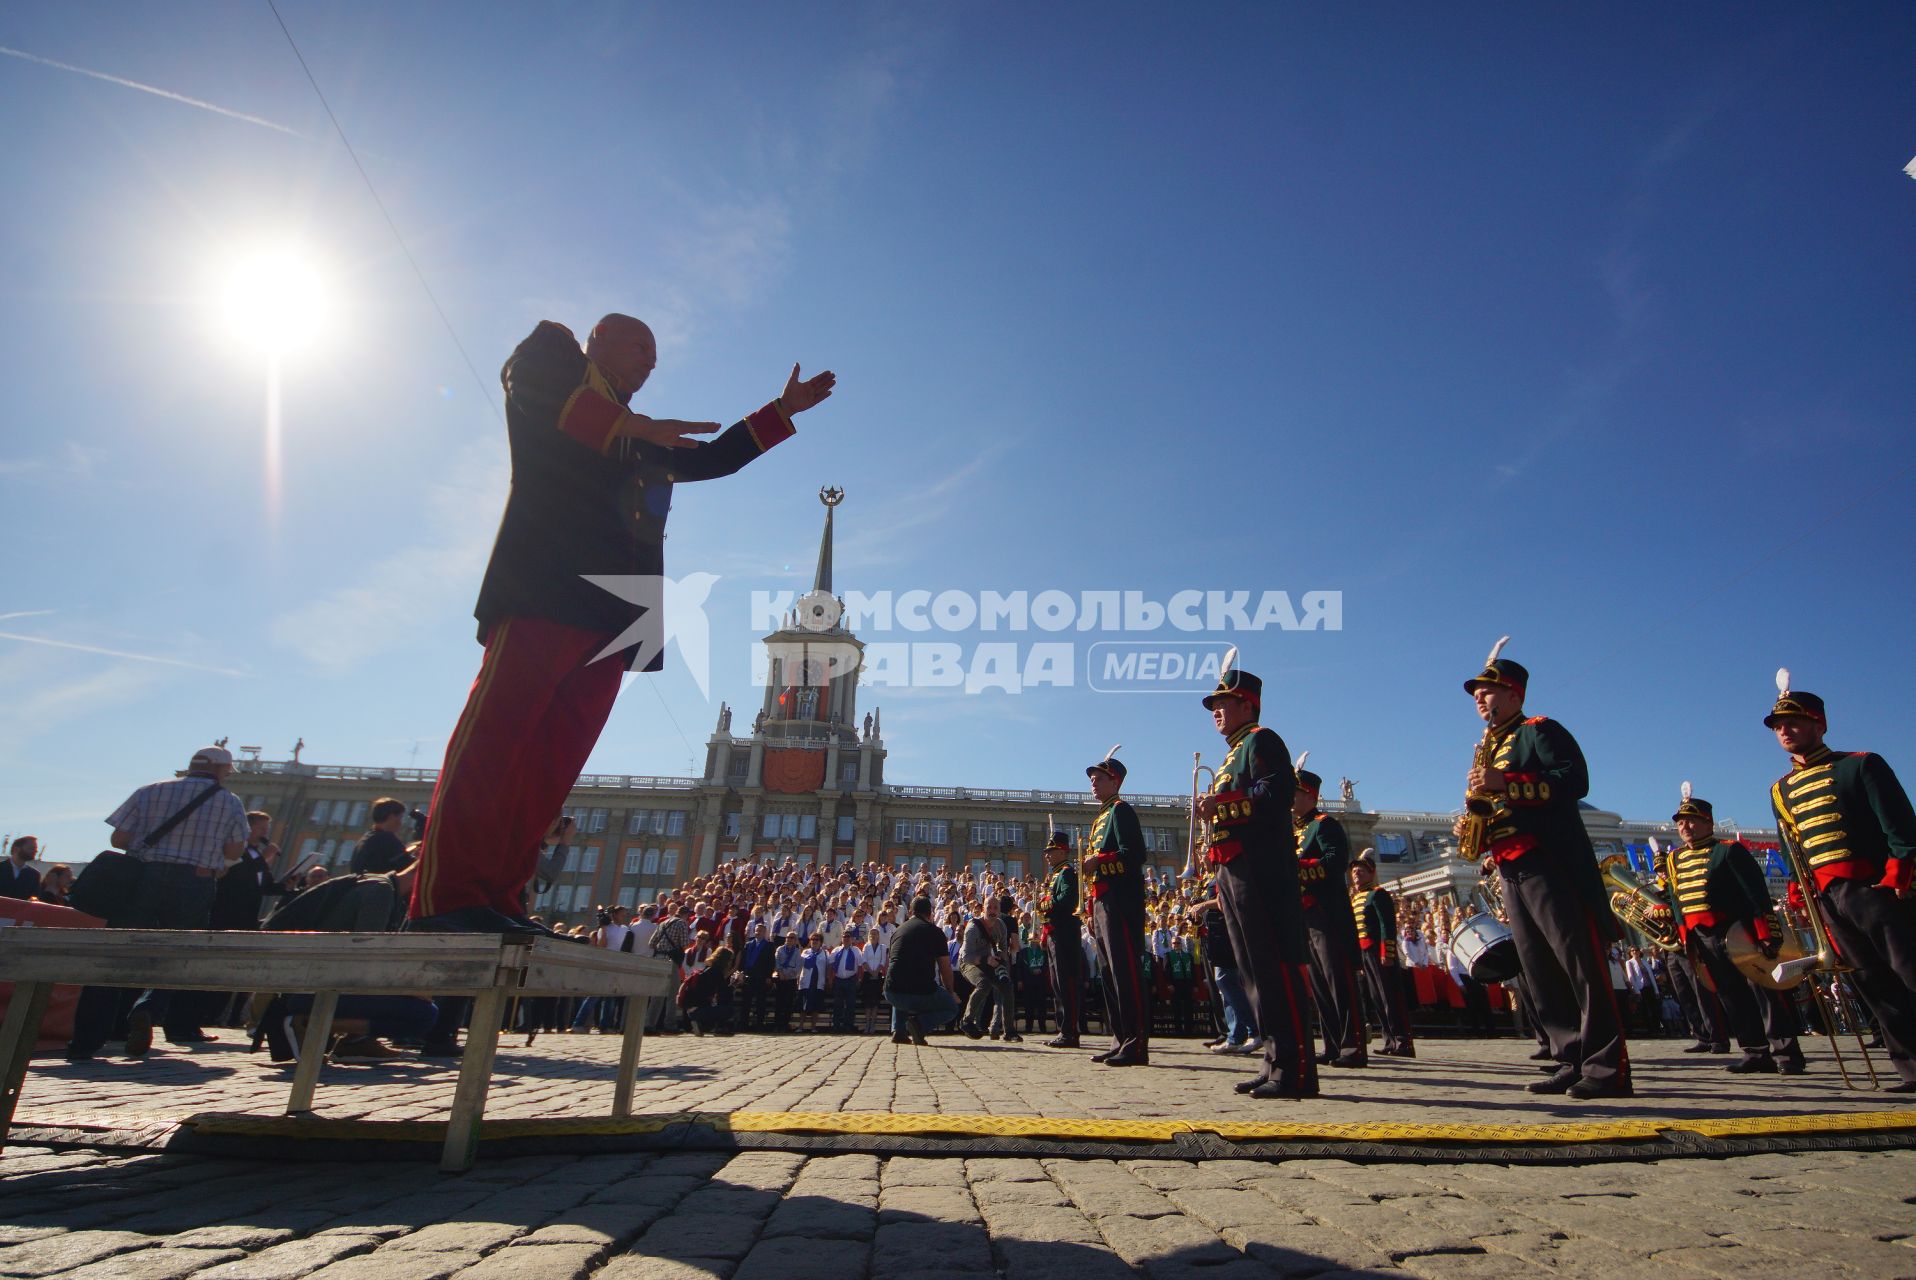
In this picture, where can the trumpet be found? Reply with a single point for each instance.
(1641, 906)
(1204, 777)
(1473, 836)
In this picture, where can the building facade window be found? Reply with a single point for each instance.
(675, 823)
(342, 809)
(808, 826)
(731, 825)
(848, 772)
(651, 862)
(590, 862)
(632, 857)
(845, 830)
(669, 863)
(357, 818)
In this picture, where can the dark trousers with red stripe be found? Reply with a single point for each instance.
(532, 718)
(1277, 988)
(1780, 1022)
(1701, 1009)
(1565, 968)
(1120, 951)
(1875, 931)
(1334, 987)
(1387, 993)
(1743, 1010)
(1064, 947)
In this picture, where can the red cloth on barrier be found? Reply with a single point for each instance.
(1423, 977)
(56, 1028)
(1448, 992)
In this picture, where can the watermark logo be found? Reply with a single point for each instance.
(1013, 641)
(1174, 659)
(1152, 666)
(670, 609)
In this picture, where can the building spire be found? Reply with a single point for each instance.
(822, 580)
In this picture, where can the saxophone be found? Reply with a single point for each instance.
(1473, 840)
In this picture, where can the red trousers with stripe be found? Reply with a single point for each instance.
(531, 720)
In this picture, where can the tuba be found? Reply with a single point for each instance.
(1641, 906)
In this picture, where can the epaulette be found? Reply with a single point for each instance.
(1536, 719)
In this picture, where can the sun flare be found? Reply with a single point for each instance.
(274, 298)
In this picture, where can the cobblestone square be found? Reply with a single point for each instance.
(99, 1213)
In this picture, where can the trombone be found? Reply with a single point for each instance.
(1835, 1005)
(1203, 777)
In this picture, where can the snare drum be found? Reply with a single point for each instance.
(1483, 946)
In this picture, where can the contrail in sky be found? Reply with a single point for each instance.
(119, 653)
(25, 613)
(147, 88)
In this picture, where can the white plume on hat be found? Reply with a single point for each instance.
(1301, 759)
(1782, 682)
(1686, 792)
(1496, 649)
(1112, 754)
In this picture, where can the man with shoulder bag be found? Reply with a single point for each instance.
(178, 835)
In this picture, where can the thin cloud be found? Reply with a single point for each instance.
(155, 90)
(25, 613)
(413, 591)
(117, 653)
(77, 460)
(47, 704)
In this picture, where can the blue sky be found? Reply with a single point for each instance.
(1592, 327)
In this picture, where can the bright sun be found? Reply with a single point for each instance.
(274, 299)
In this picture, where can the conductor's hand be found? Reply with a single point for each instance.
(667, 433)
(1206, 808)
(799, 396)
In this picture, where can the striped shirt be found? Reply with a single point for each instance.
(199, 841)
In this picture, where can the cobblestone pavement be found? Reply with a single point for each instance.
(570, 1075)
(85, 1215)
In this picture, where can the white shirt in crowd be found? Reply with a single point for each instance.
(846, 961)
(872, 959)
(813, 969)
(1415, 952)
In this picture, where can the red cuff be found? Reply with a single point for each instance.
(770, 426)
(1512, 847)
(1524, 790)
(590, 418)
(1897, 874)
